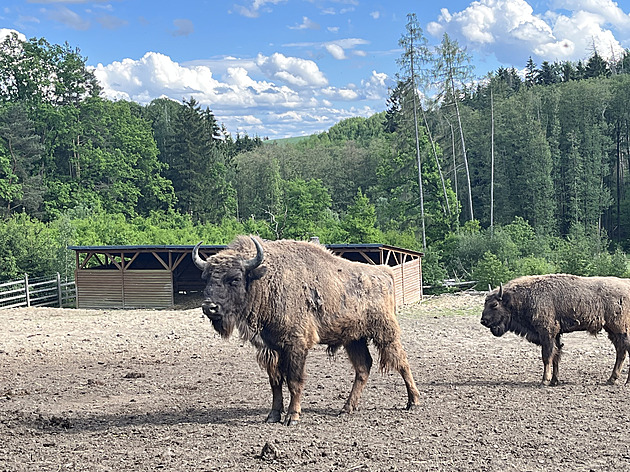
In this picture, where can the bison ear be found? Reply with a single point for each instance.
(257, 273)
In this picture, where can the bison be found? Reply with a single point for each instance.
(286, 296)
(544, 307)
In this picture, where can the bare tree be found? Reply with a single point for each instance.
(452, 70)
(415, 53)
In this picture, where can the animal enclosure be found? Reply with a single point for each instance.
(146, 390)
(151, 276)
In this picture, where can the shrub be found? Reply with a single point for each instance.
(490, 272)
(533, 265)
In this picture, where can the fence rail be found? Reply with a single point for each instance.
(39, 292)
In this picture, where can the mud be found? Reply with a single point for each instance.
(158, 390)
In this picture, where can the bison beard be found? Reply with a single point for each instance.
(542, 308)
(301, 296)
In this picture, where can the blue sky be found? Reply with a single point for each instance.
(279, 68)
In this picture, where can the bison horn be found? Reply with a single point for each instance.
(500, 295)
(199, 262)
(256, 261)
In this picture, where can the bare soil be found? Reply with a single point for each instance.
(148, 390)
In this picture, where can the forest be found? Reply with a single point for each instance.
(491, 177)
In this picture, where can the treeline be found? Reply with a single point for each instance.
(540, 160)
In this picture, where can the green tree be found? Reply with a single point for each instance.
(596, 66)
(25, 247)
(198, 169)
(116, 159)
(359, 222)
(259, 184)
(584, 155)
(20, 153)
(307, 206)
(36, 71)
(531, 72)
(489, 272)
(527, 163)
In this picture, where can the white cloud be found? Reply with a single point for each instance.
(335, 51)
(4, 32)
(254, 7)
(69, 18)
(306, 24)
(511, 30)
(337, 48)
(607, 9)
(345, 94)
(291, 70)
(376, 87)
(274, 96)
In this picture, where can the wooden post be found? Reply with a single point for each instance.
(28, 296)
(59, 293)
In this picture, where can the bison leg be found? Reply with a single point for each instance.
(413, 396)
(393, 357)
(551, 360)
(295, 376)
(277, 407)
(361, 360)
(622, 345)
(556, 362)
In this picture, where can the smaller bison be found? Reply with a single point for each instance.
(544, 307)
(286, 296)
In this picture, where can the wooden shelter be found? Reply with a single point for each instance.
(150, 276)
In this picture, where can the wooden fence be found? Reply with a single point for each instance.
(37, 292)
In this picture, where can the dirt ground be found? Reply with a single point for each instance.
(158, 390)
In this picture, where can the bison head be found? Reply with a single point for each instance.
(496, 314)
(227, 275)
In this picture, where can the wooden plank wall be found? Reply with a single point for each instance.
(124, 289)
(148, 288)
(408, 282)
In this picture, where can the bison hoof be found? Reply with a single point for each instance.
(346, 410)
(545, 383)
(611, 381)
(274, 416)
(291, 419)
(554, 382)
(412, 406)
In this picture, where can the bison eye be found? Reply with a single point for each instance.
(494, 305)
(235, 281)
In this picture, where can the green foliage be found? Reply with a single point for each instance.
(490, 271)
(433, 271)
(26, 246)
(198, 167)
(359, 223)
(574, 255)
(307, 206)
(533, 265)
(614, 264)
(78, 169)
(36, 71)
(20, 152)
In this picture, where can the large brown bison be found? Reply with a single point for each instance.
(544, 307)
(300, 296)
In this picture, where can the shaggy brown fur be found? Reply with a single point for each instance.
(543, 307)
(302, 295)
